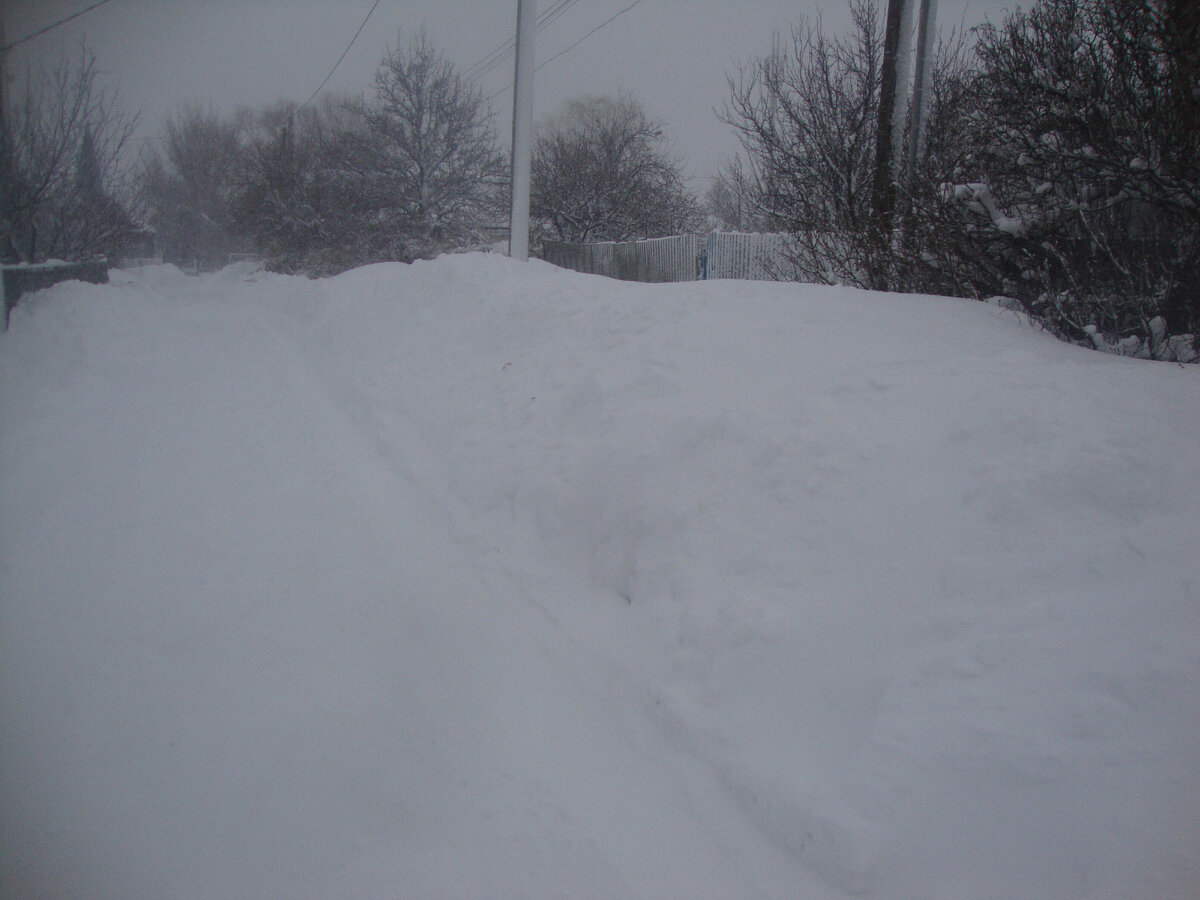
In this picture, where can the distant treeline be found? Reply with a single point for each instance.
(1059, 168)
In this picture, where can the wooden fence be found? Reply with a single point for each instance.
(755, 257)
(685, 257)
(659, 259)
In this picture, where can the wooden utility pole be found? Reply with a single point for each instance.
(8, 250)
(3, 61)
(922, 85)
(883, 180)
(773, 78)
(522, 133)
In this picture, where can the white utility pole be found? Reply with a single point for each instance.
(522, 133)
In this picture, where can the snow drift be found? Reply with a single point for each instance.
(480, 579)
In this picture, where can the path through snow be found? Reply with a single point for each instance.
(473, 579)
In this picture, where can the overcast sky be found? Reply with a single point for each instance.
(673, 55)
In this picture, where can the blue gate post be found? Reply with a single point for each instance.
(704, 263)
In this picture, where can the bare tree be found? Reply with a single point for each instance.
(438, 174)
(736, 201)
(807, 122)
(189, 186)
(601, 171)
(61, 172)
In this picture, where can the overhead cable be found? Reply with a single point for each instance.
(41, 31)
(340, 58)
(589, 34)
(544, 63)
(501, 53)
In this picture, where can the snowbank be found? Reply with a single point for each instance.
(479, 579)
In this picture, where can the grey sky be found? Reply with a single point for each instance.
(673, 55)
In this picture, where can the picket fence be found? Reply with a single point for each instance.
(684, 257)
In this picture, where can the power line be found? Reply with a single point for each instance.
(589, 34)
(556, 11)
(501, 53)
(39, 32)
(340, 58)
(546, 62)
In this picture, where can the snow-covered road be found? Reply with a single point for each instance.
(474, 579)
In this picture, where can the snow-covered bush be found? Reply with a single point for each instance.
(409, 173)
(1083, 180)
(1061, 166)
(302, 201)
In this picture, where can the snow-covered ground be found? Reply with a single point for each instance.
(474, 579)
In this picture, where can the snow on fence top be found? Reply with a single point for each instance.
(23, 278)
(685, 257)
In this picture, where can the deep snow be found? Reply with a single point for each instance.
(478, 579)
